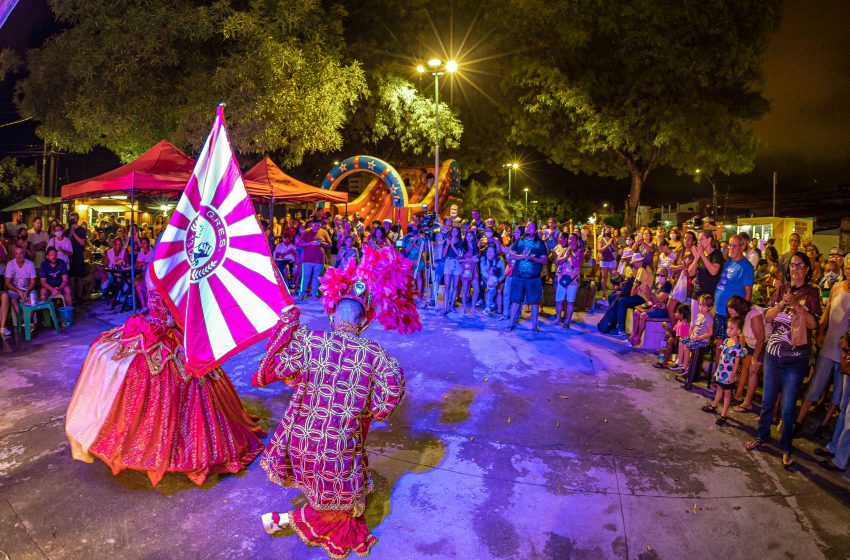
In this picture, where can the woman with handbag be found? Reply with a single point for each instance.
(789, 346)
(681, 280)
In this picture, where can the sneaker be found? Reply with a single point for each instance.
(619, 332)
(5, 332)
(274, 522)
(629, 343)
(721, 421)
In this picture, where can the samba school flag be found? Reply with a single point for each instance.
(212, 266)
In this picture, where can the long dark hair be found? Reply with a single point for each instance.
(741, 306)
(805, 258)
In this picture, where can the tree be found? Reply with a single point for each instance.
(617, 89)
(125, 74)
(488, 198)
(16, 181)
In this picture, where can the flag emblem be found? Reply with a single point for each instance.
(213, 267)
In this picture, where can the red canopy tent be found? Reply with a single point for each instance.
(162, 168)
(266, 181)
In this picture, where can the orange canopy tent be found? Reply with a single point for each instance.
(163, 168)
(268, 182)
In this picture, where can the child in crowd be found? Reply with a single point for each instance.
(468, 278)
(698, 335)
(673, 336)
(347, 254)
(730, 358)
(493, 272)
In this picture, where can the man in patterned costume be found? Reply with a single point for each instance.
(342, 382)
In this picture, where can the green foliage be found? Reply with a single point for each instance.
(617, 89)
(16, 181)
(488, 198)
(9, 63)
(407, 117)
(560, 208)
(124, 74)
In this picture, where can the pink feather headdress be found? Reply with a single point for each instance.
(382, 283)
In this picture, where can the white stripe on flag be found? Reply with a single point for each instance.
(256, 310)
(163, 266)
(219, 164)
(185, 207)
(179, 290)
(253, 261)
(245, 226)
(172, 233)
(236, 195)
(221, 341)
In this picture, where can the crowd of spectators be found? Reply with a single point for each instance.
(70, 262)
(758, 315)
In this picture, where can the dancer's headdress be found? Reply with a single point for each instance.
(382, 283)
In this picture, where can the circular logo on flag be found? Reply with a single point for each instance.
(206, 242)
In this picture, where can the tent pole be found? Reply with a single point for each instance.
(271, 222)
(133, 248)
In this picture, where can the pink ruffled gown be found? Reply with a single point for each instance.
(135, 408)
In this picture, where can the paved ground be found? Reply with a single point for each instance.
(507, 446)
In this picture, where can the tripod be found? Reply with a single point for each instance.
(432, 283)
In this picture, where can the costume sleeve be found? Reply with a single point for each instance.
(285, 352)
(387, 386)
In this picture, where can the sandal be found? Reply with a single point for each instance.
(740, 408)
(752, 445)
(721, 421)
(659, 365)
(710, 409)
(787, 460)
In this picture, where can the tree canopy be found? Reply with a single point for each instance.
(617, 89)
(597, 86)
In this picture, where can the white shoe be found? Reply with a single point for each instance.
(6, 332)
(271, 526)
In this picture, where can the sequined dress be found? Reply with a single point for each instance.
(342, 382)
(134, 406)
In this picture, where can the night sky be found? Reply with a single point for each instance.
(805, 136)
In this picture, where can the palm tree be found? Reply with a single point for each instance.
(489, 199)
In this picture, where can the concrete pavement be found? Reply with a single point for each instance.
(507, 445)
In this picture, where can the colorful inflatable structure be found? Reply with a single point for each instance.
(397, 194)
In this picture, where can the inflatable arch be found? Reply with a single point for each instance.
(381, 169)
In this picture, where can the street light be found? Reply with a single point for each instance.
(525, 190)
(511, 167)
(713, 192)
(437, 67)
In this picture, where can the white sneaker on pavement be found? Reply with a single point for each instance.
(274, 522)
(5, 332)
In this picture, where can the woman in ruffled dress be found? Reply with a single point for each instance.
(134, 407)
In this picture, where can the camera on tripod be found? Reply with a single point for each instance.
(426, 222)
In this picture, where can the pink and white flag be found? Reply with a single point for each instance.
(213, 267)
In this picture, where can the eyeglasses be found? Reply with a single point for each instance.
(797, 266)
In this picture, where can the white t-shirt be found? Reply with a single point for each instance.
(20, 276)
(749, 336)
(142, 259)
(61, 244)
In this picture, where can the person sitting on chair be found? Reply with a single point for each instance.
(53, 275)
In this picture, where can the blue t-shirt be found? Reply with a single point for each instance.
(734, 277)
(53, 273)
(525, 268)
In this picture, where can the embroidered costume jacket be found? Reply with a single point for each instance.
(342, 382)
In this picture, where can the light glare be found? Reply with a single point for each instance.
(434, 62)
(451, 66)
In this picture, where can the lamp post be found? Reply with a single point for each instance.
(525, 190)
(511, 167)
(437, 68)
(713, 193)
